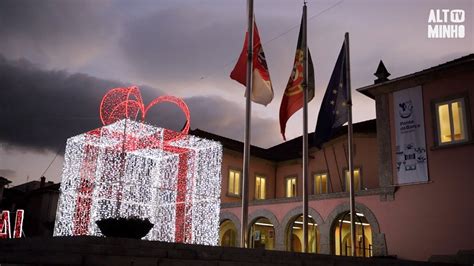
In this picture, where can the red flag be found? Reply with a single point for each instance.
(292, 99)
(262, 91)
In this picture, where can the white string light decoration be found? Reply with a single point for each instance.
(132, 169)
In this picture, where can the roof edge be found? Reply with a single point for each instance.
(368, 90)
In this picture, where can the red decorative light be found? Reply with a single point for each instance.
(5, 230)
(127, 103)
(122, 103)
(128, 168)
(18, 224)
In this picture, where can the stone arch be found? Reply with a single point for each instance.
(234, 219)
(369, 215)
(378, 238)
(270, 216)
(290, 215)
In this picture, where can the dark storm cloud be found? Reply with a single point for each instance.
(181, 43)
(40, 109)
(55, 32)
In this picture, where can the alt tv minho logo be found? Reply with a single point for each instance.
(446, 24)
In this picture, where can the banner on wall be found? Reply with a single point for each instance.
(410, 152)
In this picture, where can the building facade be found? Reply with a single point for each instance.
(397, 214)
(275, 191)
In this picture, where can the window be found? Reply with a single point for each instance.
(260, 182)
(290, 187)
(321, 183)
(234, 182)
(356, 179)
(451, 121)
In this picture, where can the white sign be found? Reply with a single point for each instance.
(410, 142)
(446, 23)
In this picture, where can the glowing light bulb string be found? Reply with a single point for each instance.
(122, 103)
(129, 168)
(136, 106)
(122, 169)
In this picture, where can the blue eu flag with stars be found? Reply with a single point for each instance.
(333, 112)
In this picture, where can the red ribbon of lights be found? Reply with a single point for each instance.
(127, 103)
(122, 103)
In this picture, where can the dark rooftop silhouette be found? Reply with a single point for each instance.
(288, 150)
(461, 62)
(381, 73)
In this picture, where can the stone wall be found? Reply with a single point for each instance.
(116, 251)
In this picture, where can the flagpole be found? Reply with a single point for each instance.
(248, 106)
(305, 132)
(350, 144)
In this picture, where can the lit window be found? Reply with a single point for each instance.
(260, 182)
(290, 187)
(356, 179)
(234, 182)
(321, 183)
(451, 121)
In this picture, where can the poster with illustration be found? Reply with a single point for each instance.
(410, 152)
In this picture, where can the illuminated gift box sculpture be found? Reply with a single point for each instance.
(131, 169)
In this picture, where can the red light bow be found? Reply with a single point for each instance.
(121, 103)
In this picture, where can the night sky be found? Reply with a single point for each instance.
(58, 58)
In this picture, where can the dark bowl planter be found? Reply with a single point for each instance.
(124, 227)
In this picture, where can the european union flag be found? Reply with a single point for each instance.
(333, 112)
